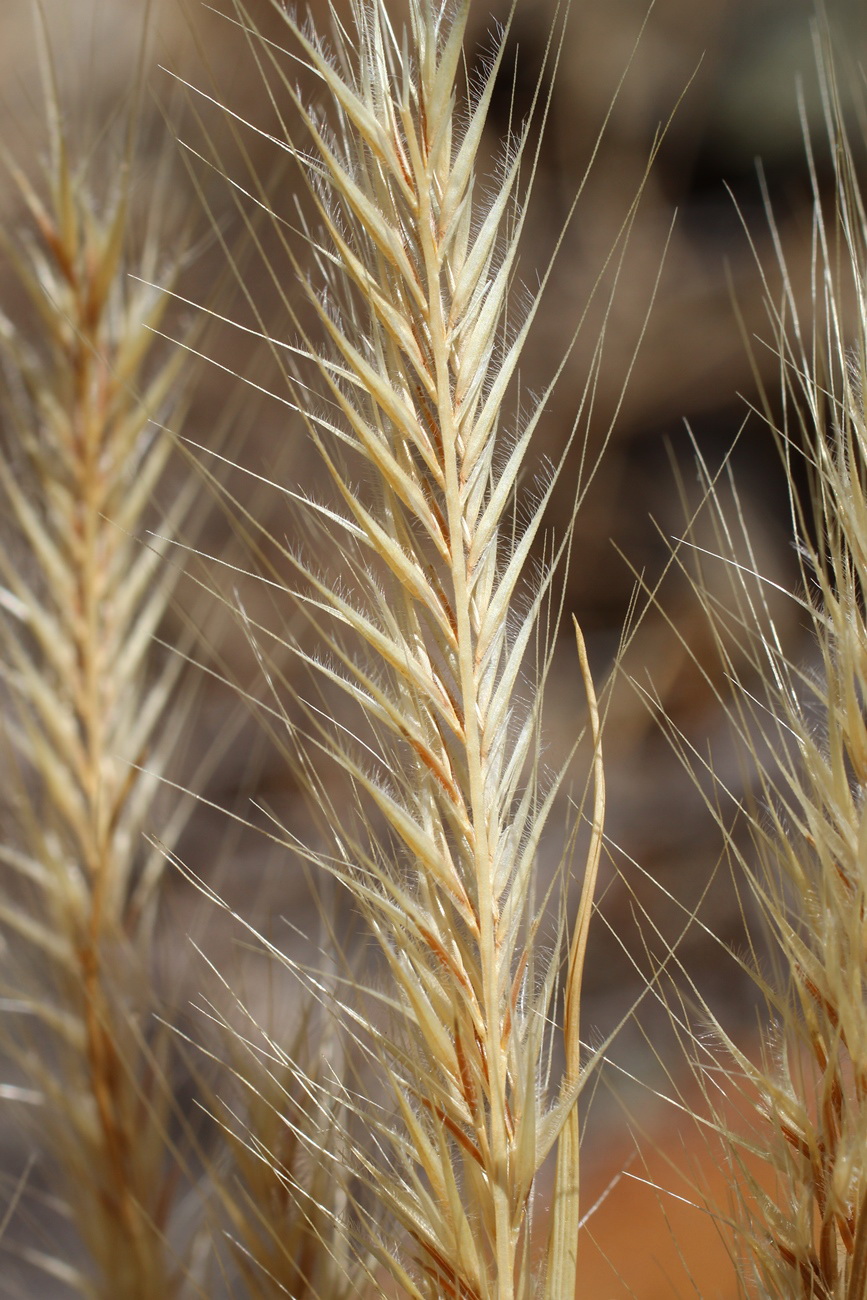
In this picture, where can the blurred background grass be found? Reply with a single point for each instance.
(730, 68)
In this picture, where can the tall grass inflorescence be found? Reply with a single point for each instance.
(798, 1175)
(428, 634)
(90, 720)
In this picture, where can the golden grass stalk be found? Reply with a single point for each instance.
(799, 1177)
(89, 716)
(441, 804)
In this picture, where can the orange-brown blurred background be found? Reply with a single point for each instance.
(725, 73)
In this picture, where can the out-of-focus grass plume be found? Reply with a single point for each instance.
(799, 1094)
(91, 711)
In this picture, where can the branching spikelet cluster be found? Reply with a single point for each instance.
(87, 723)
(437, 826)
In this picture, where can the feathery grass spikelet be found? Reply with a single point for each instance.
(89, 723)
(429, 633)
(799, 1172)
(283, 1184)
